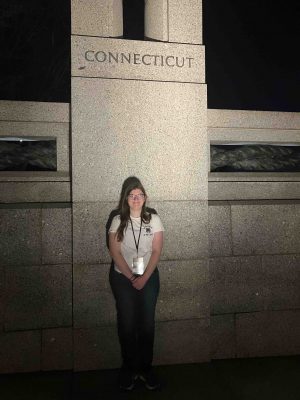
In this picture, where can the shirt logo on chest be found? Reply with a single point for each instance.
(148, 231)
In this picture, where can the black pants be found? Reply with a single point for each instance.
(136, 323)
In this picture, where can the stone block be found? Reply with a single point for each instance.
(282, 281)
(259, 135)
(89, 235)
(219, 229)
(183, 290)
(96, 348)
(93, 301)
(266, 228)
(185, 21)
(57, 349)
(97, 18)
(34, 111)
(222, 331)
(182, 342)
(38, 297)
(185, 224)
(20, 351)
(156, 20)
(57, 235)
(272, 333)
(20, 235)
(170, 124)
(253, 190)
(139, 60)
(236, 284)
(253, 119)
(35, 192)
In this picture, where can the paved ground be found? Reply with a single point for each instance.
(276, 378)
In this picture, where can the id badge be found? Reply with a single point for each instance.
(138, 267)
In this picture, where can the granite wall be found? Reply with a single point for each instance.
(56, 314)
(139, 108)
(254, 222)
(36, 247)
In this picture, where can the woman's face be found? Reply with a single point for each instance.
(136, 199)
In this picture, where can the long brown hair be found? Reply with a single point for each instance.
(130, 184)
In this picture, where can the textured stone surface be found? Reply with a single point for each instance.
(272, 333)
(38, 297)
(282, 281)
(96, 348)
(266, 228)
(183, 290)
(33, 192)
(20, 351)
(20, 236)
(57, 349)
(185, 224)
(60, 131)
(97, 18)
(94, 303)
(179, 342)
(56, 235)
(185, 21)
(253, 119)
(89, 238)
(153, 61)
(253, 190)
(34, 111)
(219, 229)
(262, 135)
(156, 20)
(236, 284)
(152, 144)
(222, 331)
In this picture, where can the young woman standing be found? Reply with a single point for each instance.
(135, 244)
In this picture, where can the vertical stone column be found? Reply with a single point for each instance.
(156, 20)
(97, 18)
(139, 108)
(178, 21)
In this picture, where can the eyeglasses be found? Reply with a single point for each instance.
(138, 196)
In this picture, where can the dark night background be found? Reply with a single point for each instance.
(251, 51)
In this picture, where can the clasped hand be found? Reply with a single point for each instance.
(139, 282)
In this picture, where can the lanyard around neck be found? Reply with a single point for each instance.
(136, 242)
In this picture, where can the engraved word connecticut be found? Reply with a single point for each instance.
(138, 59)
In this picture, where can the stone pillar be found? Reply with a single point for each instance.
(178, 21)
(97, 18)
(139, 108)
(156, 20)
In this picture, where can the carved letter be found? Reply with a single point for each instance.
(143, 59)
(128, 59)
(167, 61)
(86, 55)
(97, 55)
(136, 58)
(114, 57)
(190, 61)
(177, 62)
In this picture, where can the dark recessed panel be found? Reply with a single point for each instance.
(254, 158)
(28, 154)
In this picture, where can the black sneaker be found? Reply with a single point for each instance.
(150, 380)
(126, 380)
